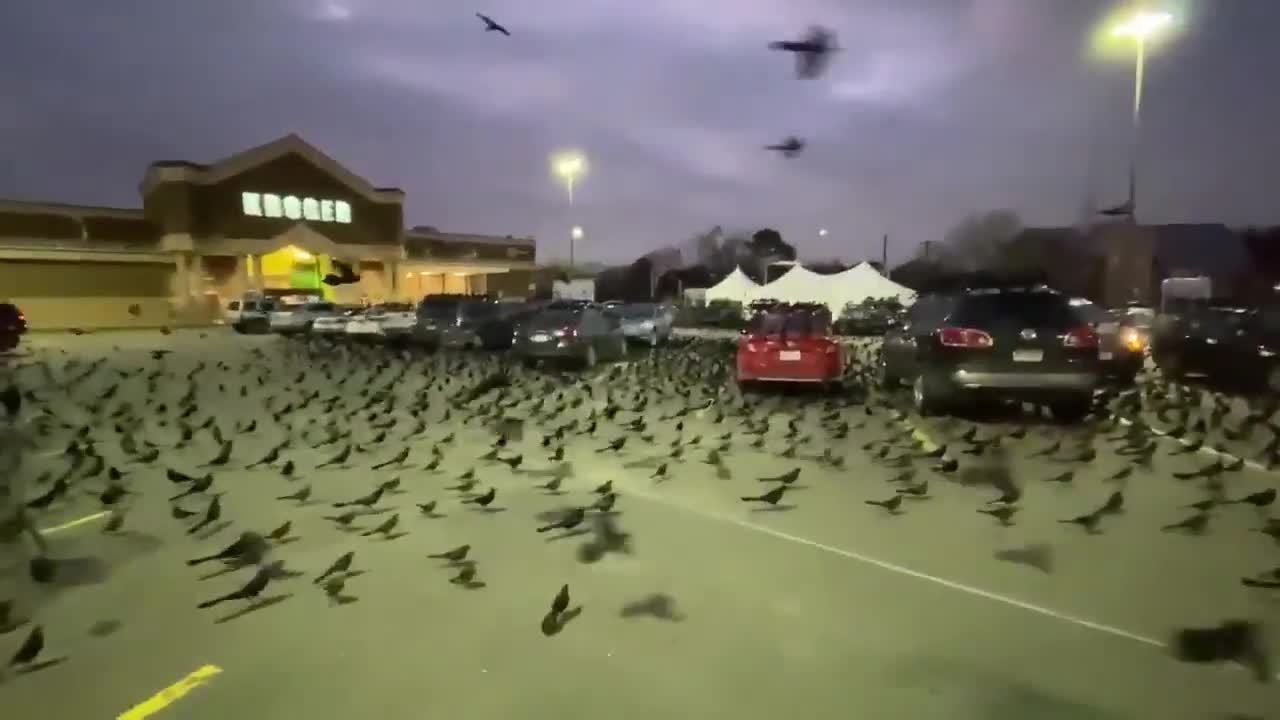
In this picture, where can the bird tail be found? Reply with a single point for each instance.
(215, 601)
(287, 497)
(546, 528)
(341, 504)
(879, 503)
(199, 560)
(756, 498)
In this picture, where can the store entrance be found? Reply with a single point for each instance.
(293, 268)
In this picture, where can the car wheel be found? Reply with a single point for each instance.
(1072, 410)
(887, 376)
(238, 327)
(1170, 365)
(926, 395)
(1273, 379)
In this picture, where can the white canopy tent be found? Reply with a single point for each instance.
(735, 287)
(858, 283)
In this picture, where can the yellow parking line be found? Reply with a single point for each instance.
(169, 695)
(927, 443)
(75, 523)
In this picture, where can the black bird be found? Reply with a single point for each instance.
(300, 496)
(552, 485)
(572, 518)
(1088, 521)
(466, 575)
(1194, 524)
(605, 503)
(249, 546)
(365, 500)
(399, 459)
(223, 456)
(560, 602)
(345, 519)
(892, 504)
(112, 494)
(342, 456)
(1003, 513)
(427, 508)
(812, 52)
(211, 515)
(491, 26)
(482, 500)
(790, 147)
(1262, 498)
(341, 565)
(199, 485)
(30, 648)
(250, 590)
(773, 497)
(281, 532)
(385, 527)
(11, 399)
(455, 555)
(605, 488)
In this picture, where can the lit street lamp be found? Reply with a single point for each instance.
(1141, 26)
(569, 166)
(822, 232)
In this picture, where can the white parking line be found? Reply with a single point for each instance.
(901, 570)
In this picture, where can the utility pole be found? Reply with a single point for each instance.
(928, 249)
(884, 255)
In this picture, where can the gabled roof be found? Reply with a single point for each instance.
(291, 144)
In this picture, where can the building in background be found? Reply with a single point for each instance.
(273, 217)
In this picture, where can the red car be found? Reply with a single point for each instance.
(790, 343)
(12, 326)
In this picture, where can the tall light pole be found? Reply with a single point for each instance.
(1141, 26)
(568, 166)
(574, 236)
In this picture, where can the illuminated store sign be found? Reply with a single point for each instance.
(295, 208)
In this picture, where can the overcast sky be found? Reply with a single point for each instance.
(934, 109)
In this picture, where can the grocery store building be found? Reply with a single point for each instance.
(271, 218)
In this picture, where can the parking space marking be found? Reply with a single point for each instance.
(75, 523)
(171, 694)
(902, 570)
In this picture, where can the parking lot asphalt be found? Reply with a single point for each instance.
(689, 603)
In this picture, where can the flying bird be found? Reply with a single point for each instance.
(812, 52)
(490, 25)
(791, 147)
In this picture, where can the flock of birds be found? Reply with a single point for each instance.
(116, 434)
(812, 53)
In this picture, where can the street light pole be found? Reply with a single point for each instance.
(1141, 26)
(574, 236)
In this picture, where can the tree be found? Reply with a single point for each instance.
(767, 243)
(979, 241)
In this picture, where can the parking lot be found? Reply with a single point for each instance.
(685, 600)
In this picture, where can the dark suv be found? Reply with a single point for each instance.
(1226, 343)
(1014, 343)
(13, 325)
(465, 321)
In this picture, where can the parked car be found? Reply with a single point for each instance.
(1232, 344)
(1005, 343)
(647, 323)
(1122, 347)
(251, 315)
(575, 331)
(13, 325)
(868, 318)
(335, 326)
(471, 322)
(383, 322)
(289, 320)
(790, 343)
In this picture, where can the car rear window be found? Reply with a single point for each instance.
(1017, 309)
(790, 323)
(479, 309)
(438, 308)
(556, 318)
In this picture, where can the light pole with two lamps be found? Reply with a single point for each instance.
(569, 166)
(1141, 26)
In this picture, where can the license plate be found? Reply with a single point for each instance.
(1028, 355)
(789, 355)
(540, 337)
(1105, 355)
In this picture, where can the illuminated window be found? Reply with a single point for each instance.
(252, 203)
(341, 211)
(292, 207)
(271, 205)
(310, 209)
(326, 211)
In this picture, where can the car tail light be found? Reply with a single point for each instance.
(1132, 339)
(964, 338)
(1081, 337)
